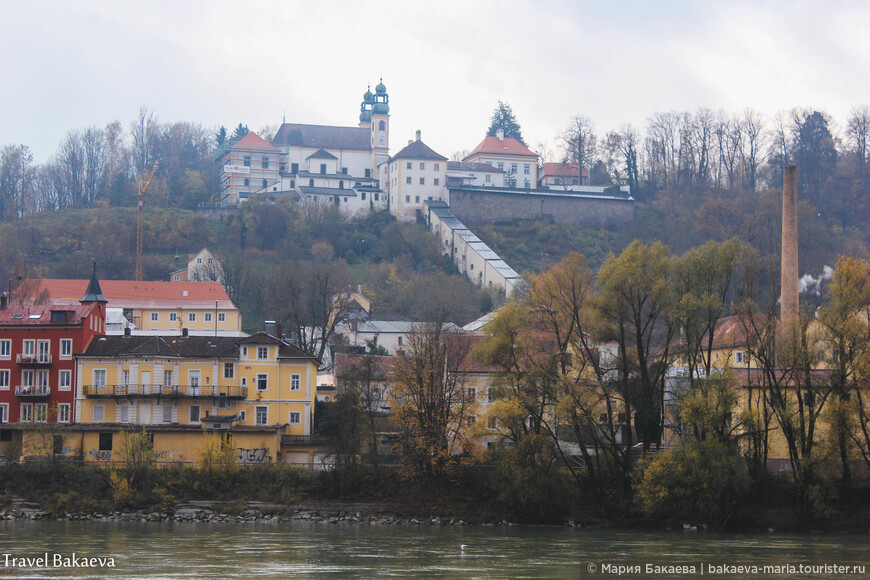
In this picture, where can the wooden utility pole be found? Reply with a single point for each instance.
(143, 187)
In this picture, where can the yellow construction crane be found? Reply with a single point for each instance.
(143, 187)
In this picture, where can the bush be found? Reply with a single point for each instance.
(701, 481)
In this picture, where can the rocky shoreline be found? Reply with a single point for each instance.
(258, 512)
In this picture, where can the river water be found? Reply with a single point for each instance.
(263, 550)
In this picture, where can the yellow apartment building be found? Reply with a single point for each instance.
(155, 306)
(257, 391)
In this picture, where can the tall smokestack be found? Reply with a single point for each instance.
(788, 302)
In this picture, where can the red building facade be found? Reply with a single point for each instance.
(37, 364)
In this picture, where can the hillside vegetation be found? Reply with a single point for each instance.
(268, 249)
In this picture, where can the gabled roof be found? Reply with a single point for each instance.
(495, 146)
(322, 137)
(254, 142)
(321, 154)
(285, 349)
(133, 294)
(418, 150)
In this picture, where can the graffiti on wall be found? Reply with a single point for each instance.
(254, 456)
(100, 455)
(69, 450)
(168, 455)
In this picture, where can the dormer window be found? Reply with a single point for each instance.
(58, 316)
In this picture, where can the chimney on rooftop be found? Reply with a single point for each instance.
(418, 134)
(270, 327)
(788, 303)
(500, 134)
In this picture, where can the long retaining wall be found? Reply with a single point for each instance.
(474, 205)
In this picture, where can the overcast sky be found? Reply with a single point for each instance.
(72, 64)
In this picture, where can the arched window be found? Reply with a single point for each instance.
(382, 126)
(310, 183)
(292, 183)
(265, 183)
(341, 185)
(247, 181)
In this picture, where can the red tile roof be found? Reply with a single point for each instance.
(561, 170)
(38, 315)
(134, 294)
(254, 141)
(509, 146)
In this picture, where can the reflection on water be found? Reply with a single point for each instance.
(240, 550)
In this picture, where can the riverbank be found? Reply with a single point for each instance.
(393, 514)
(473, 496)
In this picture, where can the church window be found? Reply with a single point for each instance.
(381, 126)
(310, 183)
(294, 168)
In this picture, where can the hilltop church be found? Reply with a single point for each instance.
(318, 164)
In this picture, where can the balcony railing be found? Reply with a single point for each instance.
(33, 359)
(32, 391)
(174, 391)
(303, 440)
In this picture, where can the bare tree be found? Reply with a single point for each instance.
(580, 143)
(753, 144)
(432, 402)
(857, 130)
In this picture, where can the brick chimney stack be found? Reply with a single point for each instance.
(788, 302)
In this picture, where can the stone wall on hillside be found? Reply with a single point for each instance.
(487, 205)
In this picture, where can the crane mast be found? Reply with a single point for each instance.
(143, 187)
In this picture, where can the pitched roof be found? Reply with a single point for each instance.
(494, 145)
(468, 166)
(322, 137)
(39, 315)
(168, 346)
(255, 142)
(418, 150)
(321, 154)
(344, 362)
(133, 294)
(561, 170)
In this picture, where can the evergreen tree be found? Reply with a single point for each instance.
(503, 118)
(239, 132)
